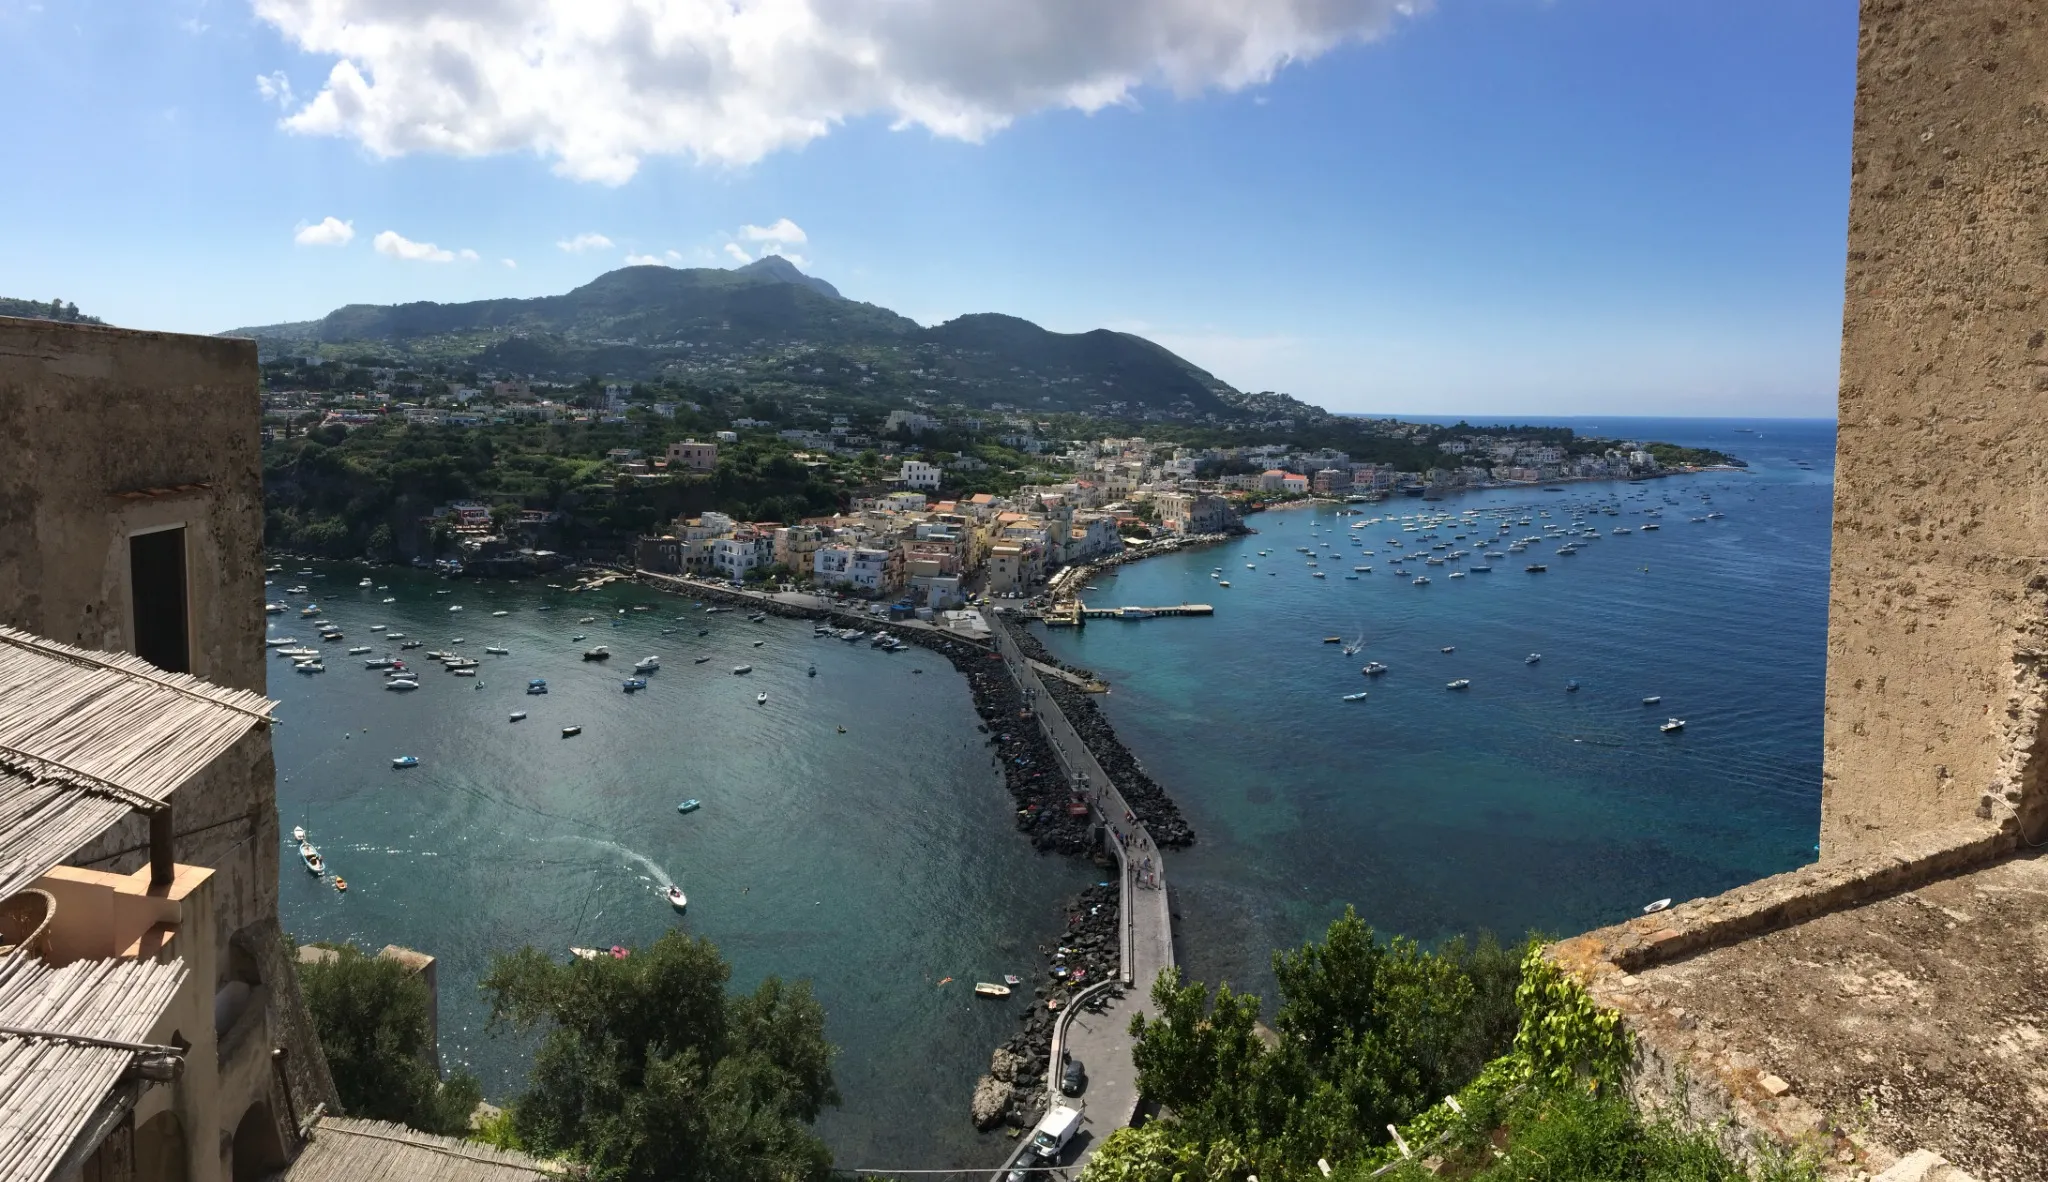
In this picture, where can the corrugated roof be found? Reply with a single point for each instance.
(50, 1087)
(87, 736)
(342, 1150)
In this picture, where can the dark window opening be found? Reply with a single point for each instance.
(156, 586)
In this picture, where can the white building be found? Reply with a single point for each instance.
(734, 556)
(918, 474)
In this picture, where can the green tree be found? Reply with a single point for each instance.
(650, 1070)
(373, 1018)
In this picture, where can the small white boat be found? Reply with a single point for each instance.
(390, 599)
(742, 668)
(676, 898)
(1655, 907)
(518, 716)
(1461, 683)
(454, 607)
(376, 627)
(495, 650)
(501, 613)
(364, 583)
(600, 653)
(1532, 658)
(299, 833)
(760, 699)
(571, 730)
(1653, 699)
(1672, 726)
(401, 683)
(311, 857)
(463, 670)
(1357, 697)
(647, 664)
(990, 989)
(359, 650)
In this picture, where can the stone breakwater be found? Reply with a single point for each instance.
(1147, 799)
(1014, 1090)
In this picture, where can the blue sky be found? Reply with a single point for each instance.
(1476, 206)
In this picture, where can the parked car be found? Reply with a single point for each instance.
(1073, 1078)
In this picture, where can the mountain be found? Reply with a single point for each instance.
(766, 326)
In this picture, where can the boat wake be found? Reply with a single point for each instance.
(654, 873)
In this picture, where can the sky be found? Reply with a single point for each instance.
(1503, 207)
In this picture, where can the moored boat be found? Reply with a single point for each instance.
(571, 730)
(990, 989)
(690, 806)
(406, 761)
(311, 857)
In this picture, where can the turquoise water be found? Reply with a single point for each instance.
(874, 862)
(1512, 805)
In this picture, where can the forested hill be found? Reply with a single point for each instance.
(765, 325)
(53, 310)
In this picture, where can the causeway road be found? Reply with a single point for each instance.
(1102, 1041)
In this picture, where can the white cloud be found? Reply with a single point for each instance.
(583, 242)
(275, 88)
(398, 246)
(646, 260)
(598, 85)
(738, 252)
(328, 231)
(510, 263)
(783, 232)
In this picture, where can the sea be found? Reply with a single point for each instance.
(1514, 805)
(880, 864)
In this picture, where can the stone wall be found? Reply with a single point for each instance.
(1937, 622)
(106, 431)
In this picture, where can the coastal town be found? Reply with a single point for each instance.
(916, 506)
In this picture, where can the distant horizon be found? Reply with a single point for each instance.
(1523, 420)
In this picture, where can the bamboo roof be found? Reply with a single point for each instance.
(52, 1083)
(86, 736)
(342, 1150)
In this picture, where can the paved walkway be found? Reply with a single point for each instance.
(1102, 1041)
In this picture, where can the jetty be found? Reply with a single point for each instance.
(1102, 1040)
(1074, 614)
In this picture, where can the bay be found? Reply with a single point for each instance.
(875, 863)
(1513, 805)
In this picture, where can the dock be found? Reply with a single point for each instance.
(1075, 614)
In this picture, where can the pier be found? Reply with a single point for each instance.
(1074, 613)
(1102, 1041)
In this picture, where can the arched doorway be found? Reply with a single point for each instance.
(258, 1150)
(160, 1148)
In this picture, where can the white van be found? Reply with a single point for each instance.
(1054, 1131)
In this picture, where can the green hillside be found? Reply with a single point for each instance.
(767, 327)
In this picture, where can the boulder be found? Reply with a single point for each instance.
(991, 1098)
(1003, 1065)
